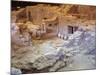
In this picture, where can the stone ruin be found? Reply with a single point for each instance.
(36, 22)
(53, 18)
(78, 50)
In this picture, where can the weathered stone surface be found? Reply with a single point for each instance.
(78, 52)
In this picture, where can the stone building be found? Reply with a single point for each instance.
(57, 19)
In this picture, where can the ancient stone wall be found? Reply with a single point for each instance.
(89, 10)
(83, 12)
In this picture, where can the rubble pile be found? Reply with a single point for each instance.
(19, 38)
(78, 52)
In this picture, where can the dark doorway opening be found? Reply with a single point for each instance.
(72, 29)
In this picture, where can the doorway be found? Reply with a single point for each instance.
(72, 29)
